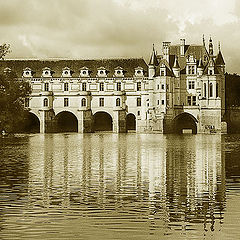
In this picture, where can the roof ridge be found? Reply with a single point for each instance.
(72, 59)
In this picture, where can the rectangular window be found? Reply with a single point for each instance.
(162, 102)
(158, 102)
(158, 86)
(194, 100)
(162, 86)
(101, 86)
(101, 102)
(191, 84)
(138, 113)
(84, 86)
(46, 87)
(191, 69)
(65, 86)
(138, 86)
(66, 102)
(118, 86)
(189, 100)
(138, 102)
(162, 73)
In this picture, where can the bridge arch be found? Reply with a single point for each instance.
(31, 123)
(131, 122)
(185, 121)
(66, 121)
(102, 121)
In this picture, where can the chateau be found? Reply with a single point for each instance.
(183, 89)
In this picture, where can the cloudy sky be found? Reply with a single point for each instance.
(117, 28)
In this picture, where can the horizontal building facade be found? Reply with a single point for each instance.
(181, 89)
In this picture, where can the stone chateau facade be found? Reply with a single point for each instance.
(180, 90)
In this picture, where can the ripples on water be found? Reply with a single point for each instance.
(126, 186)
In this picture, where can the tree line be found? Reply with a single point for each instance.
(13, 93)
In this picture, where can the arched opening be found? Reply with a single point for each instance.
(66, 122)
(102, 121)
(185, 123)
(131, 122)
(31, 123)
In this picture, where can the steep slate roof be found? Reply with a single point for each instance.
(197, 51)
(57, 66)
(164, 62)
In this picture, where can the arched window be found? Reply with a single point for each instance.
(45, 102)
(84, 102)
(217, 95)
(211, 90)
(118, 102)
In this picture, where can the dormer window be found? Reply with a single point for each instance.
(118, 72)
(66, 72)
(162, 72)
(139, 72)
(84, 72)
(102, 72)
(47, 72)
(27, 72)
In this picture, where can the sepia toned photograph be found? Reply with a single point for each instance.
(119, 120)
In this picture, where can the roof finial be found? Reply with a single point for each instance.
(153, 47)
(203, 41)
(219, 46)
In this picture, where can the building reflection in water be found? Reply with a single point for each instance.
(162, 182)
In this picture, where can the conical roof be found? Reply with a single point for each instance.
(219, 60)
(153, 59)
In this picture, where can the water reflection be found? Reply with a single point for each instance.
(126, 186)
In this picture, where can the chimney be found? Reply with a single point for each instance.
(182, 46)
(166, 46)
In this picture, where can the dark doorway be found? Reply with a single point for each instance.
(102, 121)
(66, 122)
(185, 123)
(131, 122)
(31, 123)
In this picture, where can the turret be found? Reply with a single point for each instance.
(152, 64)
(219, 62)
(176, 68)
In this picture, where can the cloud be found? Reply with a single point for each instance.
(115, 28)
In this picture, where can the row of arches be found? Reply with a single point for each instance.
(67, 122)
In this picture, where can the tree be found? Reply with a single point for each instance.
(4, 50)
(12, 97)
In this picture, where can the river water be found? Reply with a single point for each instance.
(120, 186)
